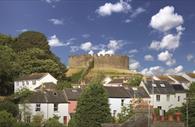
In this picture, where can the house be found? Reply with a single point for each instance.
(118, 97)
(33, 81)
(189, 76)
(164, 78)
(48, 104)
(180, 95)
(180, 80)
(164, 95)
(72, 95)
(118, 82)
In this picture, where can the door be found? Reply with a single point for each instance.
(65, 120)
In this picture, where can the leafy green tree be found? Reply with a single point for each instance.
(93, 108)
(135, 80)
(53, 122)
(9, 68)
(10, 107)
(37, 120)
(63, 84)
(6, 119)
(6, 40)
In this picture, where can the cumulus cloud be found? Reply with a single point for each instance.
(22, 30)
(176, 70)
(86, 46)
(91, 52)
(109, 8)
(194, 71)
(86, 35)
(156, 70)
(166, 19)
(149, 57)
(133, 51)
(55, 42)
(114, 44)
(104, 52)
(169, 42)
(137, 11)
(127, 20)
(167, 58)
(189, 57)
(56, 21)
(134, 64)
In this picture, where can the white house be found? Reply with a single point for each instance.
(116, 82)
(164, 95)
(33, 81)
(189, 76)
(180, 80)
(118, 97)
(48, 104)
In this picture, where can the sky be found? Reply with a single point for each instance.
(157, 35)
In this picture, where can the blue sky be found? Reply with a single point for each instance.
(157, 35)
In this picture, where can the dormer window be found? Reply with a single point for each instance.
(54, 93)
(153, 85)
(27, 83)
(162, 85)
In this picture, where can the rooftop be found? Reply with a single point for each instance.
(165, 78)
(192, 75)
(32, 76)
(180, 78)
(117, 92)
(72, 93)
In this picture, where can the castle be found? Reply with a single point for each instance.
(106, 61)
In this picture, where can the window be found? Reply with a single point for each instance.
(23, 83)
(27, 83)
(55, 107)
(157, 97)
(178, 98)
(168, 97)
(162, 85)
(65, 120)
(153, 85)
(114, 112)
(28, 119)
(122, 102)
(38, 107)
(34, 82)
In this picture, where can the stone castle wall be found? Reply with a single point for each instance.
(107, 61)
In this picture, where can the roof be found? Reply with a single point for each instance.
(32, 76)
(159, 88)
(48, 97)
(48, 85)
(178, 88)
(165, 78)
(139, 93)
(73, 93)
(116, 81)
(192, 75)
(180, 78)
(117, 92)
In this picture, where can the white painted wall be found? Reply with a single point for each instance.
(47, 110)
(115, 104)
(18, 85)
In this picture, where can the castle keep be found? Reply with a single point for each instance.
(107, 61)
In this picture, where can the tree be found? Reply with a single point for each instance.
(37, 120)
(6, 119)
(93, 108)
(53, 122)
(63, 84)
(126, 113)
(10, 107)
(9, 69)
(135, 80)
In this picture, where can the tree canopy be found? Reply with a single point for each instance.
(93, 108)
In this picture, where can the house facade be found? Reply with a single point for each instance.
(33, 81)
(163, 95)
(47, 104)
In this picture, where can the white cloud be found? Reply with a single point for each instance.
(55, 42)
(74, 48)
(169, 42)
(137, 11)
(91, 52)
(86, 46)
(156, 70)
(133, 51)
(51, 1)
(56, 21)
(190, 57)
(22, 30)
(176, 70)
(166, 19)
(167, 58)
(149, 57)
(114, 44)
(127, 20)
(194, 71)
(134, 64)
(86, 35)
(104, 52)
(109, 8)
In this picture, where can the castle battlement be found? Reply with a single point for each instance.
(99, 61)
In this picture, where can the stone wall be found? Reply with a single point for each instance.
(107, 61)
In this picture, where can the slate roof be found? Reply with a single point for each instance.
(192, 75)
(32, 76)
(116, 81)
(117, 92)
(72, 93)
(47, 97)
(179, 78)
(178, 88)
(139, 93)
(168, 89)
(165, 78)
